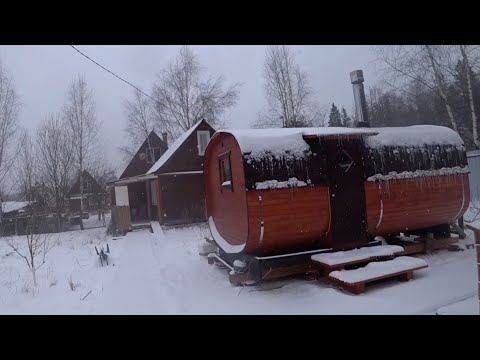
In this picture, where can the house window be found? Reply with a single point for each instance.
(88, 184)
(150, 155)
(153, 154)
(158, 153)
(203, 137)
(225, 172)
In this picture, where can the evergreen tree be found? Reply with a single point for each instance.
(346, 121)
(335, 119)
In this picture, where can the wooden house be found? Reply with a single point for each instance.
(137, 186)
(172, 189)
(94, 195)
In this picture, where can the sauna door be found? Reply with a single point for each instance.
(347, 193)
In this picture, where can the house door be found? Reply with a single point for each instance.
(347, 193)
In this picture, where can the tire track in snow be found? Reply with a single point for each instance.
(434, 310)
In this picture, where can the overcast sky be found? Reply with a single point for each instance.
(42, 75)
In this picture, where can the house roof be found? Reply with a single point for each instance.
(172, 149)
(133, 179)
(9, 206)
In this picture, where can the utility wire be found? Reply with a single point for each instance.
(118, 77)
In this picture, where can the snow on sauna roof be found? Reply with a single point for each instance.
(277, 141)
(172, 148)
(416, 135)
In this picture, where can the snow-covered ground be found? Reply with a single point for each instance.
(469, 306)
(162, 273)
(72, 260)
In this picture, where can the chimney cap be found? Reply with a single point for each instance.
(356, 76)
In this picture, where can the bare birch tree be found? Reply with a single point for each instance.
(468, 56)
(184, 96)
(466, 63)
(79, 112)
(102, 171)
(421, 63)
(289, 95)
(38, 239)
(55, 159)
(9, 108)
(140, 123)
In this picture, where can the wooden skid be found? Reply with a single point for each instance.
(239, 278)
(359, 287)
(422, 245)
(296, 269)
(275, 273)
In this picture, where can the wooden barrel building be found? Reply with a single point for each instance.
(279, 191)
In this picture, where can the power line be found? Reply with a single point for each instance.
(118, 77)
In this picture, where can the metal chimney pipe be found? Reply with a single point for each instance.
(356, 77)
(164, 136)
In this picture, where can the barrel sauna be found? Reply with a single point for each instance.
(279, 191)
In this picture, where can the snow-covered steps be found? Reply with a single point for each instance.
(140, 226)
(156, 228)
(340, 259)
(401, 268)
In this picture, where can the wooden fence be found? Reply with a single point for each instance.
(121, 218)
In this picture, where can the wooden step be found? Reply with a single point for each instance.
(141, 226)
(341, 259)
(401, 268)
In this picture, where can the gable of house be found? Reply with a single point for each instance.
(90, 185)
(144, 159)
(186, 153)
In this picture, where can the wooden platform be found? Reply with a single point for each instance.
(355, 281)
(357, 257)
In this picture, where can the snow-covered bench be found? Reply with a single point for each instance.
(340, 259)
(401, 268)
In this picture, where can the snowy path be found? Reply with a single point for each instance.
(134, 287)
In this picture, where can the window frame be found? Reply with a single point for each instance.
(151, 151)
(199, 134)
(221, 167)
